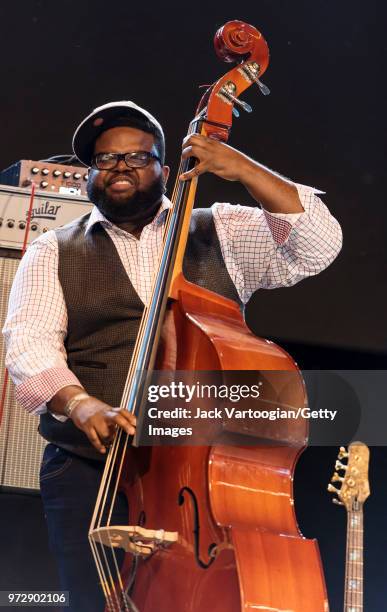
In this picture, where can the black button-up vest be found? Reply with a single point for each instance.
(104, 311)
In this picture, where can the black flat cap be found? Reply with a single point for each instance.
(111, 115)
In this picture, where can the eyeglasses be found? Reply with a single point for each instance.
(134, 159)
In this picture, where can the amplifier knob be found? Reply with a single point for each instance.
(57, 173)
(67, 174)
(22, 225)
(43, 184)
(85, 177)
(45, 171)
(10, 223)
(77, 176)
(34, 170)
(34, 227)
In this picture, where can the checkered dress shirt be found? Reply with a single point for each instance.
(261, 250)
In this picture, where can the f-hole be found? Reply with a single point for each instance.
(196, 529)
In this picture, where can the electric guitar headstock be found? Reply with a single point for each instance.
(355, 486)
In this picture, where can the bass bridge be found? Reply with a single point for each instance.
(134, 539)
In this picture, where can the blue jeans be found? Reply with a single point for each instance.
(69, 486)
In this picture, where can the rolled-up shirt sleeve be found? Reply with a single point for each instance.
(36, 326)
(264, 250)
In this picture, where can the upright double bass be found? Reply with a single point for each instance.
(210, 528)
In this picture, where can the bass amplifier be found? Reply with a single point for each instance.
(47, 176)
(21, 446)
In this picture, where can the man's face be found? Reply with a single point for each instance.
(125, 194)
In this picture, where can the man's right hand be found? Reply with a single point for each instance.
(99, 421)
(95, 418)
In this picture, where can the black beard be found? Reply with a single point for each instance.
(139, 207)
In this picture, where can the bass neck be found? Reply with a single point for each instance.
(353, 587)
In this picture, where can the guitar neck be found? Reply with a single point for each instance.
(353, 596)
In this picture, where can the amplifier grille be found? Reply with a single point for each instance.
(21, 447)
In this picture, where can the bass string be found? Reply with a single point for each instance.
(103, 566)
(111, 581)
(112, 589)
(104, 487)
(110, 461)
(140, 340)
(100, 570)
(106, 574)
(140, 337)
(117, 481)
(108, 473)
(109, 597)
(359, 544)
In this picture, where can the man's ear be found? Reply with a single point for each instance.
(166, 171)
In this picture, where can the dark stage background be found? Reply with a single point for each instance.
(322, 125)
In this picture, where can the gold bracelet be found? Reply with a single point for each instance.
(74, 401)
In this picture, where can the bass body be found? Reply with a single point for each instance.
(239, 546)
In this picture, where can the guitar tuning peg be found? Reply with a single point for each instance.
(235, 112)
(333, 489)
(342, 453)
(337, 478)
(340, 466)
(336, 501)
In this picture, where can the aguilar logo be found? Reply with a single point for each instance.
(46, 211)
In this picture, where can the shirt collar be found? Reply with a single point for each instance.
(97, 217)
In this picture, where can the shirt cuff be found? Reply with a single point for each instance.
(34, 393)
(280, 224)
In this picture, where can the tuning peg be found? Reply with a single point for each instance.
(333, 489)
(337, 478)
(340, 466)
(262, 87)
(336, 501)
(342, 453)
(228, 90)
(246, 107)
(235, 112)
(252, 70)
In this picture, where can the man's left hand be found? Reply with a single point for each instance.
(273, 192)
(213, 156)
